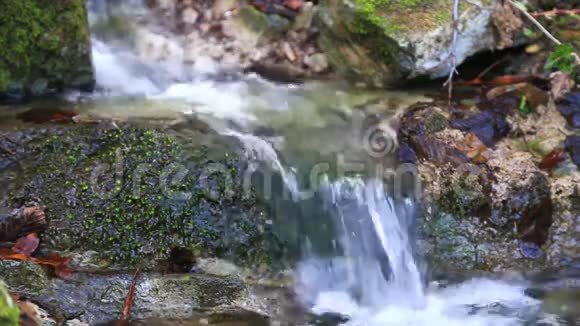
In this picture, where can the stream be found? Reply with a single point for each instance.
(336, 184)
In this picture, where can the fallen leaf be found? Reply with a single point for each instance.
(29, 313)
(24, 221)
(499, 80)
(59, 264)
(561, 83)
(552, 159)
(27, 245)
(534, 48)
(130, 298)
(293, 4)
(55, 261)
(474, 149)
(6, 253)
(500, 90)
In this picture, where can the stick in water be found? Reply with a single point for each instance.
(130, 298)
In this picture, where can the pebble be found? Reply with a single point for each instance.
(569, 107)
(317, 62)
(530, 250)
(288, 52)
(572, 145)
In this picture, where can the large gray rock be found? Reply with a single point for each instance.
(389, 42)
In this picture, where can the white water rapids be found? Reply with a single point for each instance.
(376, 280)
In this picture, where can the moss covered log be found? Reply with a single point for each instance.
(44, 47)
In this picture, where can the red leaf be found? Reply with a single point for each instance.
(130, 298)
(59, 264)
(293, 4)
(6, 253)
(55, 261)
(27, 245)
(552, 159)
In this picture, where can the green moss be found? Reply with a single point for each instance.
(9, 313)
(133, 194)
(464, 195)
(370, 16)
(43, 40)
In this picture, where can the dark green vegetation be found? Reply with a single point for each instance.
(134, 194)
(44, 46)
(9, 313)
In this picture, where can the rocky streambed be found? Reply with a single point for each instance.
(242, 201)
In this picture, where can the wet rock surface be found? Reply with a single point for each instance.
(130, 192)
(159, 200)
(269, 38)
(384, 43)
(489, 206)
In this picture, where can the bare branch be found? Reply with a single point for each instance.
(518, 5)
(452, 56)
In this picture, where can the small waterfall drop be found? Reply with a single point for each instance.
(377, 266)
(372, 274)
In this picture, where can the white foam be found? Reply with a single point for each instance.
(467, 304)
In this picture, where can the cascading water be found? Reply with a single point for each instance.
(371, 275)
(377, 267)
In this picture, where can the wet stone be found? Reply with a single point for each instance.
(406, 154)
(489, 126)
(530, 250)
(572, 145)
(569, 107)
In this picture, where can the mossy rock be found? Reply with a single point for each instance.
(385, 42)
(23, 276)
(134, 193)
(44, 47)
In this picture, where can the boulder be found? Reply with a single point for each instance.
(484, 208)
(44, 47)
(387, 42)
(130, 194)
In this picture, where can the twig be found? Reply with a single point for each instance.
(130, 298)
(556, 12)
(453, 57)
(522, 8)
(490, 67)
(4, 148)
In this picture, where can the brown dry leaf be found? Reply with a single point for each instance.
(474, 149)
(552, 159)
(500, 90)
(508, 23)
(25, 221)
(27, 245)
(561, 83)
(55, 261)
(29, 313)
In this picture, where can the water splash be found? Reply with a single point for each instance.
(377, 267)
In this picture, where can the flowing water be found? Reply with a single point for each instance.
(358, 256)
(365, 267)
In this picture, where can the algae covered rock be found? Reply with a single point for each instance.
(384, 42)
(135, 194)
(23, 276)
(44, 46)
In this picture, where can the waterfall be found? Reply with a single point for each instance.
(377, 266)
(372, 273)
